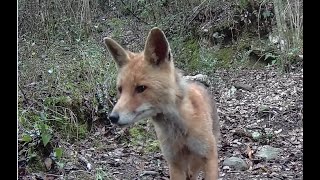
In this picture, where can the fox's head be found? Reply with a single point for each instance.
(146, 81)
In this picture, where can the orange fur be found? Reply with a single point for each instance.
(183, 113)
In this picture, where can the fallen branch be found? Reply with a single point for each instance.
(243, 86)
(144, 173)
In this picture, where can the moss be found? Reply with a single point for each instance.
(141, 136)
(224, 56)
(187, 56)
(153, 146)
(193, 59)
(192, 55)
(137, 135)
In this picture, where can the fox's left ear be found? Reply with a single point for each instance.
(156, 49)
(118, 53)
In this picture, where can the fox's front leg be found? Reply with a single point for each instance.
(176, 172)
(211, 166)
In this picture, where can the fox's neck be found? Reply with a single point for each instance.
(170, 123)
(170, 117)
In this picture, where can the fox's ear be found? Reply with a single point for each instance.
(156, 49)
(118, 53)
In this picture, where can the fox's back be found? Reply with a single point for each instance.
(201, 113)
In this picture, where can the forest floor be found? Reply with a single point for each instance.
(261, 119)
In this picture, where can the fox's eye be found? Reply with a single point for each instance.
(119, 89)
(140, 89)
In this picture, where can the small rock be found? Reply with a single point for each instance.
(66, 48)
(118, 151)
(277, 132)
(232, 90)
(226, 168)
(274, 174)
(44, 56)
(89, 166)
(236, 163)
(48, 163)
(199, 77)
(263, 108)
(268, 152)
(256, 135)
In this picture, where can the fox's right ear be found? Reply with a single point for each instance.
(118, 53)
(157, 50)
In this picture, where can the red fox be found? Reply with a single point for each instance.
(183, 113)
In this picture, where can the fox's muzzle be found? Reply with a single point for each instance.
(114, 117)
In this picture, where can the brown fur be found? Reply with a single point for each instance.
(183, 113)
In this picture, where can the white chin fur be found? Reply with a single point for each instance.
(142, 112)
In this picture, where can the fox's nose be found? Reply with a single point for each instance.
(114, 117)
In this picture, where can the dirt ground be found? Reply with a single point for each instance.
(256, 108)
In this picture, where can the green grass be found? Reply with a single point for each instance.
(68, 82)
(57, 86)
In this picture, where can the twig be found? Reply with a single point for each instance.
(259, 20)
(76, 171)
(197, 11)
(134, 14)
(54, 175)
(86, 162)
(242, 133)
(24, 95)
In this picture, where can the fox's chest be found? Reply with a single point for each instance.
(176, 142)
(177, 148)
